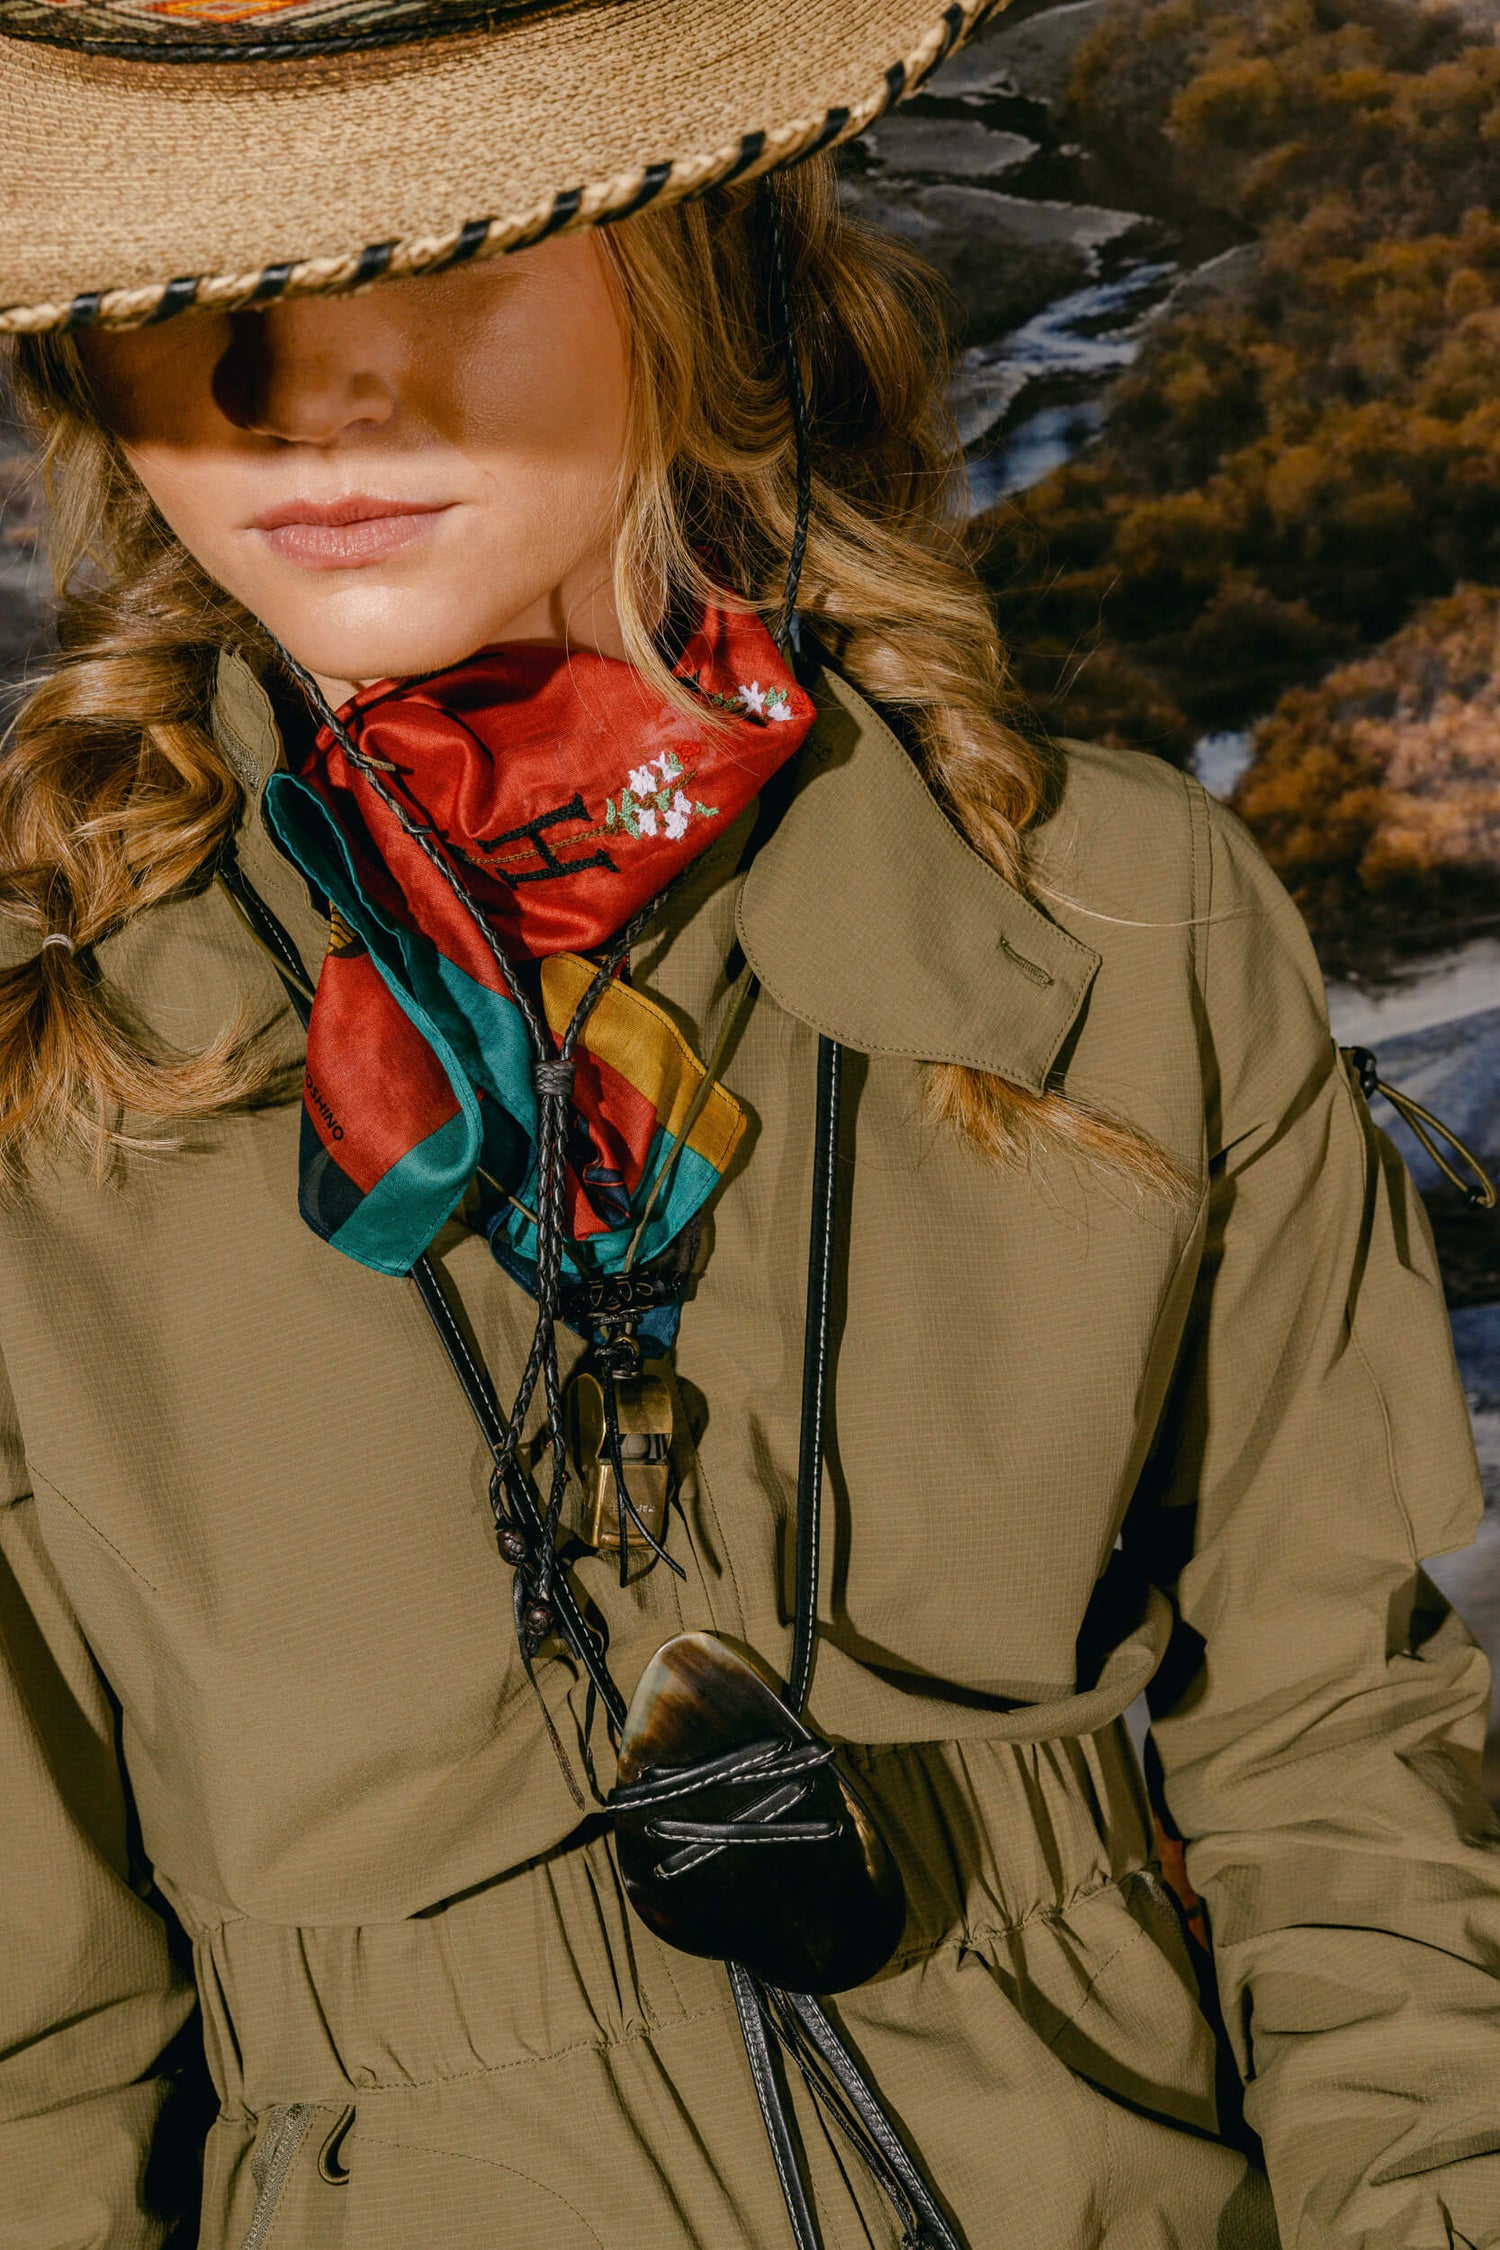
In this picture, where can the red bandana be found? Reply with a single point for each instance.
(569, 789)
(566, 793)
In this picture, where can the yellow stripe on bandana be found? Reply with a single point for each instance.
(632, 1035)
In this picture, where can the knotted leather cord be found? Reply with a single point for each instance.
(769, 2019)
(619, 1357)
(511, 1498)
(552, 1079)
(798, 2024)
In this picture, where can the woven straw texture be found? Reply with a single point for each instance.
(133, 190)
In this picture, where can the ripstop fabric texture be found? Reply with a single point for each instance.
(261, 1684)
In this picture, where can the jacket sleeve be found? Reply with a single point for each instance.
(91, 2001)
(1320, 1719)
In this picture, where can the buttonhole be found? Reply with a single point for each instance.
(1032, 969)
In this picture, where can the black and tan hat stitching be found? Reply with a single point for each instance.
(193, 31)
(601, 203)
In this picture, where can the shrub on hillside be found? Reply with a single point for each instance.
(1382, 785)
(1288, 472)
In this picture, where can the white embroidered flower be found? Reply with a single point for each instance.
(677, 815)
(642, 780)
(645, 821)
(778, 704)
(753, 698)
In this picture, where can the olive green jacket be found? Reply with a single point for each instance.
(261, 1665)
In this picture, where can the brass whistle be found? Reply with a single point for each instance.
(643, 1412)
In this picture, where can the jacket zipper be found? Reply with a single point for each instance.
(285, 2136)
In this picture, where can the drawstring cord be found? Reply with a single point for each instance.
(1480, 1193)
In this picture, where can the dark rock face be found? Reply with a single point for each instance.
(1056, 253)
(25, 592)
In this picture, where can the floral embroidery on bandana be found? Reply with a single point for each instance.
(652, 804)
(749, 701)
(765, 703)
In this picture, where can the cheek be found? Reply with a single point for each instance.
(190, 489)
(541, 393)
(154, 387)
(154, 392)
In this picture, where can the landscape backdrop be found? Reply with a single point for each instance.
(1227, 288)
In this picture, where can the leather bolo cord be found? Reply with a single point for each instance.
(772, 2022)
(533, 1558)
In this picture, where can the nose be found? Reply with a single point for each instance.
(308, 374)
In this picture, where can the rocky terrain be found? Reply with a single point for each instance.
(24, 593)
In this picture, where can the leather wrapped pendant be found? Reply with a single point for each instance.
(643, 1411)
(738, 1837)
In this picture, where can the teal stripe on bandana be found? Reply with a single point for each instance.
(693, 1181)
(478, 1039)
(419, 1184)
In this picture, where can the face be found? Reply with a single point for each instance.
(393, 481)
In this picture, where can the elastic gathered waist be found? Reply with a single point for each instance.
(549, 1958)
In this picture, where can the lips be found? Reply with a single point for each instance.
(345, 534)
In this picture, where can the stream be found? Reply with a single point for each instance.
(1057, 255)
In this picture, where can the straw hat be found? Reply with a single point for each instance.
(157, 155)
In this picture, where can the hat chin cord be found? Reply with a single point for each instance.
(785, 328)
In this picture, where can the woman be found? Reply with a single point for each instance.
(524, 801)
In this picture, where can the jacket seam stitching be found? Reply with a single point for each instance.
(626, 2037)
(495, 2164)
(1356, 1346)
(90, 1526)
(1137, 1935)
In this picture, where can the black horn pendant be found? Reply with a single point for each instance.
(738, 1837)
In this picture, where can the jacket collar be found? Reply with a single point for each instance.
(247, 733)
(865, 914)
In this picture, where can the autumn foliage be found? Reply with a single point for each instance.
(1300, 462)
(1381, 786)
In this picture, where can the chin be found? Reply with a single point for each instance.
(402, 645)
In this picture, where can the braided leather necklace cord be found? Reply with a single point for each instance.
(769, 2020)
(535, 1585)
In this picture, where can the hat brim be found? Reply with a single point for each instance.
(132, 191)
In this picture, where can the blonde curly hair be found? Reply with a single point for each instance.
(114, 794)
